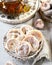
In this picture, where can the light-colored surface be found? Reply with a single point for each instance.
(4, 57)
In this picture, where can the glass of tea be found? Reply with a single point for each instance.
(11, 7)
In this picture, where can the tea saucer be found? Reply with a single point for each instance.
(23, 17)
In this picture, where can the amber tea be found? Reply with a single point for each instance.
(13, 7)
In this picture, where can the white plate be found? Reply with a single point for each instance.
(22, 17)
(4, 56)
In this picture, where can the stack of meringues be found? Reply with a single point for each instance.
(24, 42)
(46, 10)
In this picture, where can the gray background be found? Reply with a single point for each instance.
(4, 57)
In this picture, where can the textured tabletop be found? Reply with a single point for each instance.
(4, 57)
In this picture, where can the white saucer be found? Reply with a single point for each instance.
(22, 17)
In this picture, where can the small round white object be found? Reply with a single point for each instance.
(44, 6)
(9, 63)
(39, 24)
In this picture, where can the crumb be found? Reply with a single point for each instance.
(9, 63)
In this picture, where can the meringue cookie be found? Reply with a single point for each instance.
(23, 50)
(26, 28)
(33, 41)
